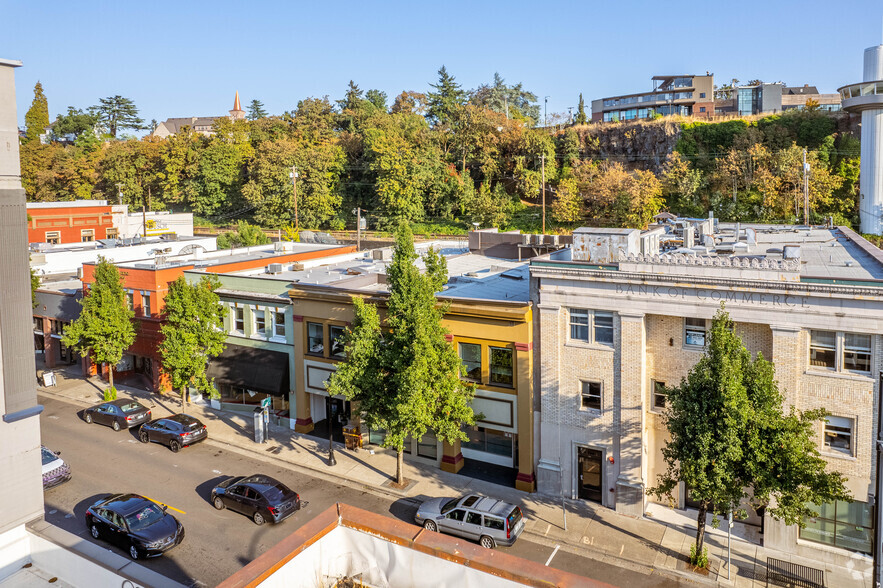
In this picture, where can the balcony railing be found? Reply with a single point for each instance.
(862, 89)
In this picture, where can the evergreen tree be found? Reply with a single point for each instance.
(731, 440)
(193, 333)
(256, 110)
(104, 328)
(405, 375)
(445, 100)
(73, 124)
(378, 99)
(116, 113)
(581, 118)
(37, 116)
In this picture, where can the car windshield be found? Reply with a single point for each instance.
(48, 456)
(514, 517)
(449, 505)
(144, 517)
(130, 407)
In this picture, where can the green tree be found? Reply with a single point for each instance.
(245, 235)
(405, 375)
(35, 283)
(731, 440)
(193, 333)
(513, 101)
(256, 110)
(37, 116)
(116, 113)
(378, 99)
(104, 328)
(445, 100)
(581, 117)
(73, 124)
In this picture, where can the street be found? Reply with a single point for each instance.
(218, 543)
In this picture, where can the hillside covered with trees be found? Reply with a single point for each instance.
(444, 159)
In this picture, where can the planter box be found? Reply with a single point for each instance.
(216, 404)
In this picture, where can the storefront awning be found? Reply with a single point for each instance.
(260, 370)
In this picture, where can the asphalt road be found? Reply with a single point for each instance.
(218, 543)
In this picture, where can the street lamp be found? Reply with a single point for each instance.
(545, 112)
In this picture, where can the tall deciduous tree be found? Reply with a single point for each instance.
(731, 440)
(71, 125)
(37, 116)
(193, 333)
(256, 110)
(116, 113)
(405, 375)
(104, 328)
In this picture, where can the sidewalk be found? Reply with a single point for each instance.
(658, 543)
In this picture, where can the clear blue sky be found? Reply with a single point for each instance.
(187, 58)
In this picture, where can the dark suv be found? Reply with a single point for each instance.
(175, 431)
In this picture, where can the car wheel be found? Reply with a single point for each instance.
(95, 532)
(430, 526)
(144, 437)
(258, 518)
(133, 551)
(88, 418)
(219, 504)
(487, 542)
(175, 446)
(116, 426)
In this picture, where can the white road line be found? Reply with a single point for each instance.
(548, 561)
(216, 471)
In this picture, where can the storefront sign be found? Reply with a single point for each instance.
(715, 296)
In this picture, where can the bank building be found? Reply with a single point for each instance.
(624, 312)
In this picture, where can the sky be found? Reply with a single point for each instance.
(188, 58)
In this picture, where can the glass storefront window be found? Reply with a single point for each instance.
(848, 525)
(427, 446)
(488, 441)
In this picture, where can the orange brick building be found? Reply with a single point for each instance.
(70, 222)
(146, 285)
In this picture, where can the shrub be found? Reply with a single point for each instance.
(110, 394)
(699, 560)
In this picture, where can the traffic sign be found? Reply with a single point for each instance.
(266, 402)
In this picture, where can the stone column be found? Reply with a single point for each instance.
(304, 420)
(628, 414)
(789, 361)
(452, 458)
(526, 479)
(553, 469)
(50, 345)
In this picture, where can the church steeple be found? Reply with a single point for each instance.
(237, 113)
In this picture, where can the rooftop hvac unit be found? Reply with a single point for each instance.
(274, 268)
(383, 254)
(80, 273)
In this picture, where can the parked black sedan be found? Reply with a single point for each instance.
(119, 414)
(175, 431)
(260, 497)
(135, 524)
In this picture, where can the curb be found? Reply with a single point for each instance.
(535, 537)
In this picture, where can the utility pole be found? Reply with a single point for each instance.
(543, 188)
(805, 189)
(545, 112)
(293, 175)
(506, 99)
(358, 229)
(120, 190)
(878, 494)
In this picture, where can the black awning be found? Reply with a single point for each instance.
(255, 369)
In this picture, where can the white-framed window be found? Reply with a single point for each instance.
(838, 434)
(658, 395)
(87, 235)
(260, 322)
(278, 324)
(841, 352)
(590, 395)
(112, 233)
(591, 326)
(53, 237)
(695, 330)
(130, 299)
(237, 318)
(145, 303)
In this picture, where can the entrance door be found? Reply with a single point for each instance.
(589, 469)
(337, 413)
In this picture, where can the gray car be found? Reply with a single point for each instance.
(487, 520)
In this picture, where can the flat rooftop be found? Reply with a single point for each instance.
(470, 275)
(207, 259)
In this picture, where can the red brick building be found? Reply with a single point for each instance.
(70, 222)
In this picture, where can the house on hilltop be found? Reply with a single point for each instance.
(204, 125)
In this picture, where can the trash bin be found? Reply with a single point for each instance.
(259, 431)
(353, 437)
